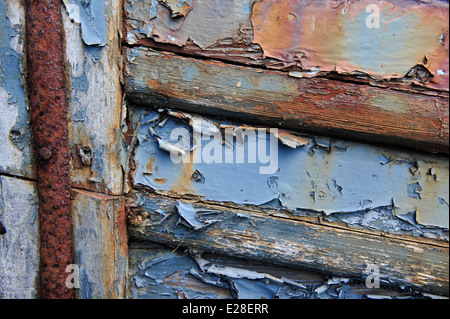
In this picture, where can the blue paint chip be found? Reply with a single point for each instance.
(414, 190)
(92, 17)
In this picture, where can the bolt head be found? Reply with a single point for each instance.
(45, 153)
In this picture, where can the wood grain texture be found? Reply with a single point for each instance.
(381, 40)
(16, 154)
(320, 105)
(19, 239)
(296, 243)
(100, 244)
(95, 97)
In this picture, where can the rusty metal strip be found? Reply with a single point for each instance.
(48, 108)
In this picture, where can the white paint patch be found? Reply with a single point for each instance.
(19, 246)
(10, 156)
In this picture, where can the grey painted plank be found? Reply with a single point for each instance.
(19, 243)
(260, 236)
(16, 156)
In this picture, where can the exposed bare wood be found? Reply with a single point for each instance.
(100, 244)
(95, 97)
(321, 105)
(19, 239)
(296, 243)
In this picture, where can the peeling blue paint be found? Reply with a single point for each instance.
(85, 289)
(159, 273)
(97, 166)
(80, 115)
(325, 176)
(94, 52)
(10, 61)
(92, 17)
(81, 83)
(414, 190)
(12, 80)
(86, 286)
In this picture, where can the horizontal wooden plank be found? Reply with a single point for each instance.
(402, 40)
(159, 272)
(366, 186)
(320, 105)
(260, 236)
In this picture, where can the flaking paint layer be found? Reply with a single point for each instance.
(15, 132)
(19, 241)
(91, 15)
(203, 25)
(332, 35)
(323, 175)
(306, 37)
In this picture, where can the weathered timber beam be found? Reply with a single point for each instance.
(178, 275)
(334, 177)
(260, 236)
(95, 95)
(404, 41)
(100, 244)
(320, 105)
(19, 234)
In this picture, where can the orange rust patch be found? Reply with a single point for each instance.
(184, 184)
(150, 164)
(270, 22)
(160, 180)
(153, 84)
(326, 36)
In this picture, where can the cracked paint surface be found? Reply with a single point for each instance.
(91, 15)
(325, 175)
(15, 133)
(371, 189)
(276, 236)
(221, 19)
(333, 35)
(157, 272)
(312, 37)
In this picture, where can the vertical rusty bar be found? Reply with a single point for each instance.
(48, 108)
